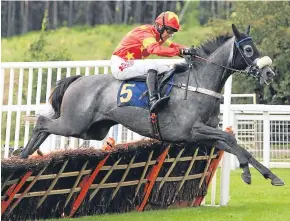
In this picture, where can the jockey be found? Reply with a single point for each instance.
(141, 42)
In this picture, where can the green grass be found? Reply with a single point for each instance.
(257, 202)
(279, 146)
(89, 43)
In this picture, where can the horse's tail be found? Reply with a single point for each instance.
(58, 92)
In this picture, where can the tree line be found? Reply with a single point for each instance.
(19, 17)
(270, 30)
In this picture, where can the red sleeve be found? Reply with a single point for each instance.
(174, 45)
(153, 47)
(157, 49)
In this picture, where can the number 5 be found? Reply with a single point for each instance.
(127, 92)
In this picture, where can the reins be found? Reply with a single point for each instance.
(222, 66)
(237, 45)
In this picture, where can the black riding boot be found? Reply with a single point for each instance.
(155, 102)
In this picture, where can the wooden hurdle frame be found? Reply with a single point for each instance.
(84, 180)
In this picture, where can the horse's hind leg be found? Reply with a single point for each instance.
(33, 144)
(36, 139)
(45, 126)
(275, 181)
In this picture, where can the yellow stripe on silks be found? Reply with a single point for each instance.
(168, 42)
(143, 27)
(172, 15)
(129, 33)
(148, 41)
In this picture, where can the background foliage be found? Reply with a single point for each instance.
(270, 23)
(19, 17)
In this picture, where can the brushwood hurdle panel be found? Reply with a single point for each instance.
(138, 176)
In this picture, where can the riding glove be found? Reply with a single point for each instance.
(188, 51)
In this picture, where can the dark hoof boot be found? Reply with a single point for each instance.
(277, 182)
(159, 104)
(246, 178)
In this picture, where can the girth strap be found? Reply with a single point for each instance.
(198, 90)
(155, 126)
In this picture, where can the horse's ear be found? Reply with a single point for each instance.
(236, 31)
(248, 29)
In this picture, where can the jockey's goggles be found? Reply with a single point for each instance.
(170, 30)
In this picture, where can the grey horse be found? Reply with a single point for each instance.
(86, 107)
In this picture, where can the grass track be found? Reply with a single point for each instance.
(257, 202)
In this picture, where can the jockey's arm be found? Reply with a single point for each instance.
(173, 44)
(153, 47)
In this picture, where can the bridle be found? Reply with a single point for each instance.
(237, 44)
(251, 69)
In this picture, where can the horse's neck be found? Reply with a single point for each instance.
(211, 76)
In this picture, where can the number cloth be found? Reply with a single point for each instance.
(132, 93)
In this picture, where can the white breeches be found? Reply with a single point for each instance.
(123, 70)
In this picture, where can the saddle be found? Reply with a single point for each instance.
(133, 92)
(162, 79)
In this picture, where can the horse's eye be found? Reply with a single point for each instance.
(248, 50)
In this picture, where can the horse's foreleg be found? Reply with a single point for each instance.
(223, 141)
(276, 181)
(244, 163)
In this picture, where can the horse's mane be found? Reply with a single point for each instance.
(204, 50)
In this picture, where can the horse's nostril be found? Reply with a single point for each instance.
(270, 74)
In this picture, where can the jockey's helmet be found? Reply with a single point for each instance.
(168, 20)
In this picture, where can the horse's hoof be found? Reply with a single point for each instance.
(23, 155)
(246, 178)
(277, 182)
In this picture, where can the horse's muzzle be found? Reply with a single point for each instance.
(267, 75)
(261, 70)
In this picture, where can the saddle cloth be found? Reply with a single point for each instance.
(133, 93)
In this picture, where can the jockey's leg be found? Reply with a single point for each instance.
(124, 70)
(155, 102)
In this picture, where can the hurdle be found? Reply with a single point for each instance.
(138, 176)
